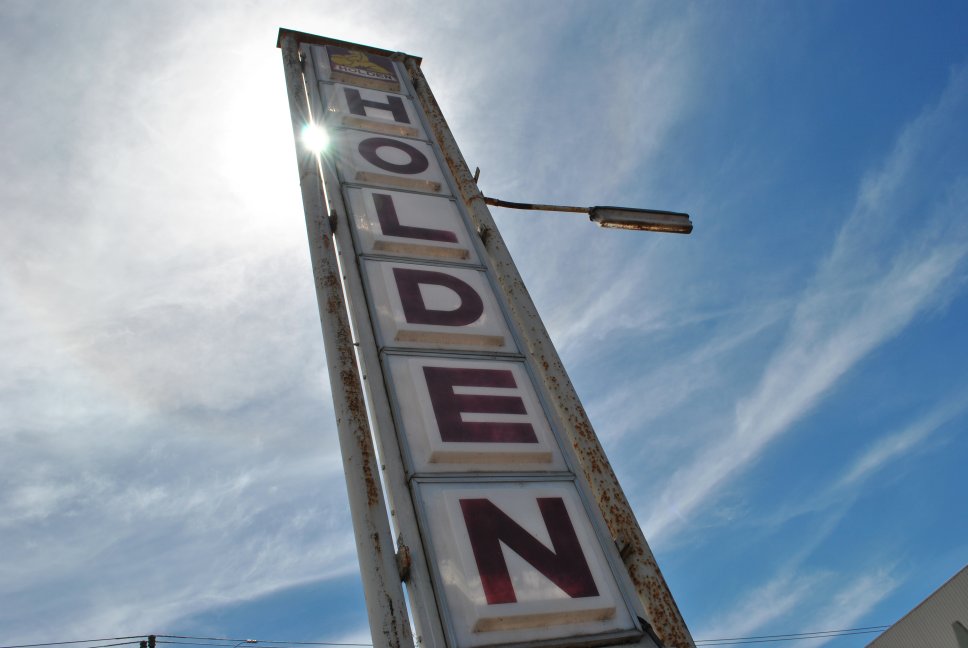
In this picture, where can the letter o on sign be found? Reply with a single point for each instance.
(370, 150)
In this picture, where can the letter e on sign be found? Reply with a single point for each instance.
(520, 562)
(449, 405)
(460, 414)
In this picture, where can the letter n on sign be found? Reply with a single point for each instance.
(520, 560)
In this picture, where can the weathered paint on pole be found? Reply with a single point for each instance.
(653, 592)
(386, 606)
(413, 561)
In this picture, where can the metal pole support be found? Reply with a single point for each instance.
(385, 603)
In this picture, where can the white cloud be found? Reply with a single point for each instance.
(131, 548)
(771, 601)
(899, 444)
(666, 387)
(867, 291)
(812, 602)
(850, 603)
(839, 494)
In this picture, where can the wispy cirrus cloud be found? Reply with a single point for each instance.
(671, 385)
(811, 602)
(897, 445)
(880, 275)
(848, 604)
(771, 601)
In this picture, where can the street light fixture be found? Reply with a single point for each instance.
(630, 218)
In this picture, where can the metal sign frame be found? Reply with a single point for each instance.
(626, 552)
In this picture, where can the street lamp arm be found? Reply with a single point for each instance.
(652, 220)
(496, 202)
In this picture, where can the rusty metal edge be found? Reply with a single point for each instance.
(314, 39)
(383, 592)
(653, 592)
(424, 609)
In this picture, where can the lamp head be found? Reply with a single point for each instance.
(641, 219)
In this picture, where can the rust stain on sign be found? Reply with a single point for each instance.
(652, 590)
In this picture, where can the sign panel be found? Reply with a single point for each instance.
(358, 67)
(462, 414)
(421, 306)
(409, 225)
(372, 110)
(385, 161)
(519, 562)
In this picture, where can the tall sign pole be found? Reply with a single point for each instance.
(386, 607)
(511, 527)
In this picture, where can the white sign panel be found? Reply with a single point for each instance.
(471, 415)
(374, 158)
(409, 225)
(373, 110)
(436, 307)
(519, 562)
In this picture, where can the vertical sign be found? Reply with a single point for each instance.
(513, 551)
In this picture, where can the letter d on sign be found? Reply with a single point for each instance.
(416, 310)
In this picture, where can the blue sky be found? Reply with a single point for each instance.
(782, 393)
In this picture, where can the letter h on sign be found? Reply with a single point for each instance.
(372, 110)
(393, 105)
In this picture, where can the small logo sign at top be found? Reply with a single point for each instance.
(362, 69)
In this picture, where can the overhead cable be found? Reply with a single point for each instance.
(228, 642)
(795, 636)
(80, 641)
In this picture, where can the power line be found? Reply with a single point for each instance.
(724, 641)
(80, 641)
(195, 643)
(261, 641)
(228, 642)
(795, 636)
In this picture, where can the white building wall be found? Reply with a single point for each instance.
(940, 621)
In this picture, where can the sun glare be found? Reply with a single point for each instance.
(315, 138)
